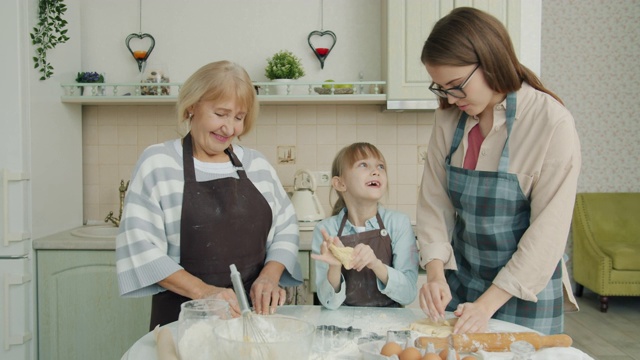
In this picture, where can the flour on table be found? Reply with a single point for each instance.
(197, 342)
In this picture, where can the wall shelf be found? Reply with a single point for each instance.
(299, 93)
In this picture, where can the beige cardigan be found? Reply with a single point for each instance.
(544, 153)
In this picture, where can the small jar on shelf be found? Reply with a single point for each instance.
(155, 73)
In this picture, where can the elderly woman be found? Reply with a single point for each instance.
(198, 204)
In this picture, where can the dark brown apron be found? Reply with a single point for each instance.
(223, 222)
(362, 287)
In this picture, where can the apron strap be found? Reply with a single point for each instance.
(187, 159)
(236, 162)
(383, 230)
(503, 167)
(457, 136)
(189, 167)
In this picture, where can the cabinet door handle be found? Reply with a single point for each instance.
(8, 176)
(9, 339)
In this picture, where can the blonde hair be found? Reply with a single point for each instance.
(468, 36)
(219, 80)
(345, 159)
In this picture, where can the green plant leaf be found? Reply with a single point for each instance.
(49, 32)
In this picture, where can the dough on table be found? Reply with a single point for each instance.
(434, 329)
(343, 254)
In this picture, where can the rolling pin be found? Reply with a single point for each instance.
(493, 342)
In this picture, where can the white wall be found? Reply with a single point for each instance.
(590, 52)
(55, 132)
(189, 34)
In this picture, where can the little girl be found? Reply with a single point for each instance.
(384, 264)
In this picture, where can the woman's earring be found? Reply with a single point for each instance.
(190, 116)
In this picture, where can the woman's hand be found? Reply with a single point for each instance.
(434, 298)
(472, 318)
(183, 283)
(266, 295)
(435, 294)
(227, 295)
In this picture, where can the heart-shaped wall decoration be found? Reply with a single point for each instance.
(141, 56)
(322, 52)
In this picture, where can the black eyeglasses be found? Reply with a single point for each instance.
(455, 91)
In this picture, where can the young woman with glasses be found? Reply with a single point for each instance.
(499, 183)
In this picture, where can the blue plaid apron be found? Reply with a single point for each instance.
(492, 214)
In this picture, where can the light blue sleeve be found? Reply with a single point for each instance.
(326, 294)
(403, 274)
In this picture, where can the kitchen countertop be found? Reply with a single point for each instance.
(64, 240)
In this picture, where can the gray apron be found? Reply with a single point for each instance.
(223, 222)
(492, 214)
(362, 286)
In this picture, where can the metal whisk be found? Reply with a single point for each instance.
(251, 332)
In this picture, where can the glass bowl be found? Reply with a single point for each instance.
(284, 338)
(196, 322)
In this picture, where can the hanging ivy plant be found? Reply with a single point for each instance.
(49, 33)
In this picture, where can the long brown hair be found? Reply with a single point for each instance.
(345, 159)
(468, 36)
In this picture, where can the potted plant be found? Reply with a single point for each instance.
(90, 77)
(283, 66)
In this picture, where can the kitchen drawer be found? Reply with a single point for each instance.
(308, 269)
(301, 295)
(304, 259)
(312, 276)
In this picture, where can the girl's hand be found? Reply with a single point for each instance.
(472, 318)
(266, 295)
(363, 256)
(325, 254)
(435, 295)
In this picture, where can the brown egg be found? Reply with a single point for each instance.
(410, 353)
(391, 348)
(431, 356)
(470, 357)
(444, 353)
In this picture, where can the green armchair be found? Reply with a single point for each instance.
(606, 245)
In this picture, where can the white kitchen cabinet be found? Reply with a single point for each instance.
(408, 24)
(80, 312)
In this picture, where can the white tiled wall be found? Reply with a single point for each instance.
(114, 136)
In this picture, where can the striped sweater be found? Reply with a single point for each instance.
(148, 244)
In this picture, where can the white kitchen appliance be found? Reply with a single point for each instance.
(304, 199)
(17, 277)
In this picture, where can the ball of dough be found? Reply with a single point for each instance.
(343, 254)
